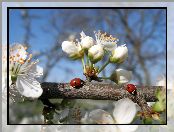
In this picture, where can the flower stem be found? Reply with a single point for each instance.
(103, 67)
(91, 64)
(83, 64)
(87, 58)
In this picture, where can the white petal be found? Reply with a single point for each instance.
(119, 54)
(87, 42)
(124, 111)
(109, 45)
(127, 128)
(121, 76)
(20, 50)
(83, 35)
(100, 117)
(124, 76)
(85, 119)
(28, 87)
(39, 70)
(69, 48)
(96, 53)
(36, 71)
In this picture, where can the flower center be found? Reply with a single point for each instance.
(105, 37)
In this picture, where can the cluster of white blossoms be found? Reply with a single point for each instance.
(95, 49)
(23, 72)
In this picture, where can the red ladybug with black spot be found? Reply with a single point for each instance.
(76, 83)
(131, 88)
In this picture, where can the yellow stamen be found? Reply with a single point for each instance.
(17, 55)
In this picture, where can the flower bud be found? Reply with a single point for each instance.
(119, 54)
(96, 53)
(121, 76)
(86, 41)
(73, 49)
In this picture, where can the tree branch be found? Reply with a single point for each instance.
(99, 91)
(96, 91)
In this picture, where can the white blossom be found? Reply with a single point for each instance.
(107, 41)
(119, 54)
(100, 117)
(121, 76)
(124, 113)
(23, 72)
(96, 53)
(73, 49)
(86, 41)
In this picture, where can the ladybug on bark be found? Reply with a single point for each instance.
(76, 83)
(131, 88)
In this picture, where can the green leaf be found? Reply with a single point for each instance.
(158, 106)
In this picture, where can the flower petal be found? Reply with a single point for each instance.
(121, 76)
(36, 71)
(73, 49)
(87, 42)
(96, 53)
(69, 48)
(119, 54)
(18, 51)
(28, 86)
(109, 46)
(125, 111)
(83, 35)
(100, 116)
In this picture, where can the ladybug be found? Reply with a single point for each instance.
(76, 83)
(131, 88)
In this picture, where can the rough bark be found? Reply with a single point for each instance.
(96, 91)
